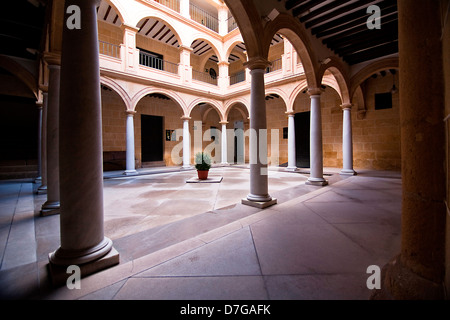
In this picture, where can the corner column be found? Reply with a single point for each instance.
(292, 158)
(316, 148)
(52, 205)
(40, 112)
(224, 143)
(259, 191)
(417, 273)
(42, 189)
(81, 174)
(130, 162)
(347, 141)
(186, 143)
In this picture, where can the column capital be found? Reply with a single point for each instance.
(130, 112)
(52, 58)
(43, 88)
(184, 118)
(315, 91)
(185, 48)
(125, 26)
(290, 113)
(223, 122)
(257, 63)
(223, 63)
(345, 106)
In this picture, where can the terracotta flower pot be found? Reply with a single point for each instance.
(202, 174)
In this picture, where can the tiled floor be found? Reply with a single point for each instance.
(181, 240)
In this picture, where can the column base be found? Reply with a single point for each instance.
(42, 190)
(38, 179)
(348, 172)
(317, 182)
(398, 282)
(130, 172)
(187, 167)
(50, 208)
(292, 169)
(259, 204)
(59, 275)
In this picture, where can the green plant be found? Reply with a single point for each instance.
(202, 161)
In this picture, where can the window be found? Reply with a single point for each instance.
(151, 59)
(383, 101)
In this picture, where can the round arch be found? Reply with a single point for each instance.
(230, 104)
(175, 27)
(211, 102)
(169, 93)
(367, 71)
(21, 73)
(295, 33)
(302, 86)
(335, 67)
(280, 93)
(121, 11)
(229, 48)
(110, 83)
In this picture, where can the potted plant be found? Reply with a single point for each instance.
(202, 164)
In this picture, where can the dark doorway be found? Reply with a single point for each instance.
(152, 138)
(302, 133)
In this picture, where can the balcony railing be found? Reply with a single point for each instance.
(237, 77)
(204, 77)
(231, 24)
(276, 65)
(203, 17)
(109, 49)
(151, 61)
(172, 4)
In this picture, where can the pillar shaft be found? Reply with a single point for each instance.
(40, 113)
(130, 163)
(81, 172)
(43, 187)
(224, 143)
(316, 148)
(259, 184)
(53, 202)
(347, 141)
(422, 138)
(292, 160)
(418, 272)
(186, 144)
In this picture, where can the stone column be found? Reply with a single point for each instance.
(347, 141)
(39, 141)
(186, 144)
(418, 271)
(224, 79)
(292, 156)
(259, 192)
(43, 187)
(224, 146)
(316, 149)
(130, 165)
(52, 205)
(81, 174)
